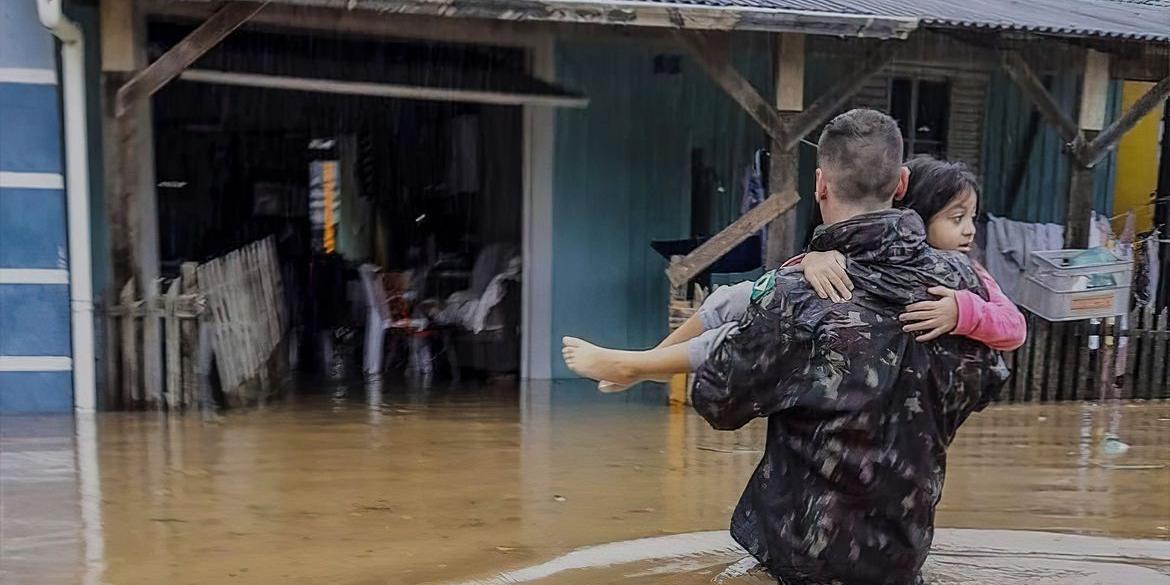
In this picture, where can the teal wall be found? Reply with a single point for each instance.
(622, 178)
(1043, 195)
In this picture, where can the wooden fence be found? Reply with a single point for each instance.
(1086, 360)
(228, 312)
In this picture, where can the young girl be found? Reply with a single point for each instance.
(945, 194)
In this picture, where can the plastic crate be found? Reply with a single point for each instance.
(1058, 292)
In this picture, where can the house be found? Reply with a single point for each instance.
(608, 124)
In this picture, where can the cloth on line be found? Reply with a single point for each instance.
(1010, 243)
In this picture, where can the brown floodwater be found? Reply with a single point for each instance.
(549, 483)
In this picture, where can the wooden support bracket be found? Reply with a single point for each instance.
(1111, 135)
(187, 51)
(1033, 89)
(689, 267)
(835, 97)
(714, 56)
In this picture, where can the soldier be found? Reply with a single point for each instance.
(859, 414)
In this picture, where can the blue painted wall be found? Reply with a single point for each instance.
(34, 308)
(622, 178)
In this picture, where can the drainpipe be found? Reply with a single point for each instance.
(77, 200)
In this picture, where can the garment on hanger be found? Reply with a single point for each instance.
(754, 194)
(1145, 268)
(1010, 243)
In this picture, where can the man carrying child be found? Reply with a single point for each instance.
(859, 414)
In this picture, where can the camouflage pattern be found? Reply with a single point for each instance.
(859, 414)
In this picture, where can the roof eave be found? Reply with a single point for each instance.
(632, 13)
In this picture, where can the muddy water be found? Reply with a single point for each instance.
(545, 485)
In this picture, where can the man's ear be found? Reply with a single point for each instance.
(822, 188)
(903, 183)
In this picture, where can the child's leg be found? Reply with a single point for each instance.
(725, 305)
(623, 368)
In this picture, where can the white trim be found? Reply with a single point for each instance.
(28, 76)
(33, 276)
(14, 180)
(536, 299)
(22, 363)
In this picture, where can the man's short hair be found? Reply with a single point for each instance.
(861, 152)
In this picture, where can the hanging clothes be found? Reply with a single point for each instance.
(1010, 243)
(1145, 268)
(754, 194)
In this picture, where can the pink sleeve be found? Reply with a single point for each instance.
(995, 322)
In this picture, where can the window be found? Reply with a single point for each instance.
(921, 108)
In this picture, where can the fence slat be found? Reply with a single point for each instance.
(174, 376)
(113, 390)
(1133, 325)
(1158, 332)
(1146, 363)
(189, 340)
(152, 346)
(130, 388)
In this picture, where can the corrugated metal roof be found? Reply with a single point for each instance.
(1127, 19)
(1147, 20)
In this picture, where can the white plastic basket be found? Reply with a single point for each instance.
(1058, 292)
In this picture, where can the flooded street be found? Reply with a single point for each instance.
(494, 485)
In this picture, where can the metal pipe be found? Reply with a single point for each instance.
(77, 200)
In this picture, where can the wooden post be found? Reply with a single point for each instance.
(1094, 97)
(1080, 204)
(784, 169)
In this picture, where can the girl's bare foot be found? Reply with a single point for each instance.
(597, 363)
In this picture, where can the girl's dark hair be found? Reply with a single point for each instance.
(934, 183)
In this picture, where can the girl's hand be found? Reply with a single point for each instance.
(936, 318)
(825, 272)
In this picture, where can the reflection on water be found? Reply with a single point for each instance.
(450, 485)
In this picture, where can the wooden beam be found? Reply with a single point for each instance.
(688, 268)
(1024, 78)
(714, 56)
(1109, 137)
(836, 96)
(187, 51)
(387, 90)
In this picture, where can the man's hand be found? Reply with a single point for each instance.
(825, 272)
(936, 318)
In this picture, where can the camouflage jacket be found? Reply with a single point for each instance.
(859, 414)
